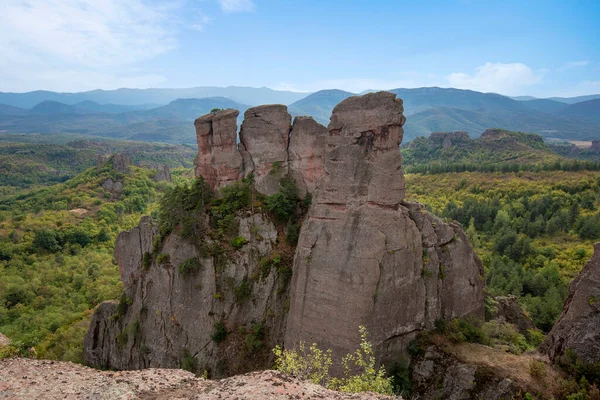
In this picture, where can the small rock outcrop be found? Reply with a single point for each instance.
(578, 328)
(366, 257)
(306, 151)
(121, 163)
(508, 309)
(163, 173)
(448, 139)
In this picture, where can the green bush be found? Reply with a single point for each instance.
(537, 369)
(463, 330)
(189, 266)
(146, 261)
(283, 203)
(219, 332)
(163, 258)
(238, 242)
(242, 292)
(312, 364)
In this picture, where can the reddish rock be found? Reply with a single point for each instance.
(218, 160)
(305, 153)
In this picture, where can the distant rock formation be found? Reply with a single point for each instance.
(578, 328)
(121, 163)
(507, 308)
(365, 256)
(448, 139)
(269, 148)
(163, 173)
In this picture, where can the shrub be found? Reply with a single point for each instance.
(292, 233)
(146, 261)
(253, 340)
(242, 292)
(163, 258)
(360, 374)
(219, 332)
(189, 266)
(461, 330)
(503, 333)
(283, 203)
(189, 363)
(537, 369)
(238, 242)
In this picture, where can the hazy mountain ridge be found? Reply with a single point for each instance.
(428, 110)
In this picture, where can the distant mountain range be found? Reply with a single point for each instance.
(167, 115)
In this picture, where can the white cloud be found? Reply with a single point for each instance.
(508, 79)
(237, 5)
(52, 43)
(574, 64)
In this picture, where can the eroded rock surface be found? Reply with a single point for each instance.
(578, 328)
(50, 380)
(365, 257)
(218, 160)
(265, 135)
(167, 316)
(507, 308)
(163, 173)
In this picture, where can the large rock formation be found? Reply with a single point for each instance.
(578, 328)
(269, 148)
(166, 315)
(364, 256)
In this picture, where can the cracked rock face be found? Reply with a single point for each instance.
(364, 256)
(578, 327)
(270, 148)
(169, 314)
(218, 160)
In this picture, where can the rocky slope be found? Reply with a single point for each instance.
(577, 329)
(364, 256)
(49, 380)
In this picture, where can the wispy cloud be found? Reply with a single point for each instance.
(43, 41)
(230, 6)
(574, 64)
(509, 79)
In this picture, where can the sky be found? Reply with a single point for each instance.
(541, 48)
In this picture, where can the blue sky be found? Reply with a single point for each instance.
(541, 48)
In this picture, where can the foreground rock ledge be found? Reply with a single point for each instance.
(48, 380)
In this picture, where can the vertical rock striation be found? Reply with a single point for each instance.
(218, 160)
(365, 257)
(578, 328)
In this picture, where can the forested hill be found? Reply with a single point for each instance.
(497, 150)
(56, 253)
(29, 160)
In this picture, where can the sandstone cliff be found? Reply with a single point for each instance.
(365, 256)
(270, 148)
(578, 328)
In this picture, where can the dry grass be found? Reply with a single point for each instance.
(507, 365)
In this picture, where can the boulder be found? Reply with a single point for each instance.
(578, 328)
(265, 137)
(366, 258)
(218, 160)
